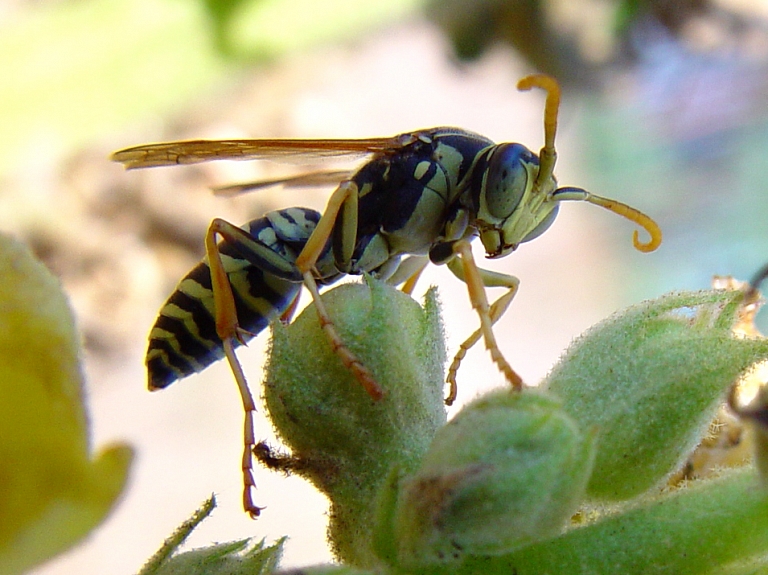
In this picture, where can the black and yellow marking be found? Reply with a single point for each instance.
(420, 195)
(184, 341)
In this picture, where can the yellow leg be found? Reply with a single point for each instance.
(350, 361)
(497, 310)
(249, 438)
(345, 195)
(410, 283)
(288, 313)
(228, 330)
(227, 326)
(476, 279)
(408, 273)
(344, 198)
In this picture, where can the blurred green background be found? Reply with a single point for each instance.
(665, 107)
(671, 96)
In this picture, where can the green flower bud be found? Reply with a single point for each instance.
(508, 470)
(650, 380)
(342, 439)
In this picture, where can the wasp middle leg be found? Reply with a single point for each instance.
(344, 201)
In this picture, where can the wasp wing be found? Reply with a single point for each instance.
(302, 151)
(306, 180)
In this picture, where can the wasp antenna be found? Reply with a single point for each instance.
(646, 222)
(548, 155)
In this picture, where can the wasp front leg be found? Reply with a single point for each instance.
(477, 279)
(343, 202)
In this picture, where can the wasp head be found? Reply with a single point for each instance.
(513, 204)
(517, 195)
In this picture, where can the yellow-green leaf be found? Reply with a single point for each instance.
(53, 491)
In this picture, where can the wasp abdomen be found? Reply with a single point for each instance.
(184, 341)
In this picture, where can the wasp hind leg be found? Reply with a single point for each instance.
(229, 330)
(477, 279)
(343, 201)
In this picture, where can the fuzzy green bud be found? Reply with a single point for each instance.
(650, 380)
(508, 470)
(342, 439)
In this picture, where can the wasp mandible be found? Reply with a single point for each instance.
(421, 196)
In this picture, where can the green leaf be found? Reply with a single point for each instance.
(246, 557)
(176, 540)
(53, 490)
(705, 528)
(650, 380)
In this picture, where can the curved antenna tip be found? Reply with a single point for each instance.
(632, 214)
(542, 81)
(652, 244)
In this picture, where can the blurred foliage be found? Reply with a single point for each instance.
(697, 161)
(475, 26)
(577, 40)
(74, 71)
(54, 489)
(259, 29)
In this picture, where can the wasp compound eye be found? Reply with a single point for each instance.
(507, 179)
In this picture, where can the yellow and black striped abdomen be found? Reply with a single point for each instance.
(183, 340)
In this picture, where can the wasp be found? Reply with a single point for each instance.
(419, 197)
